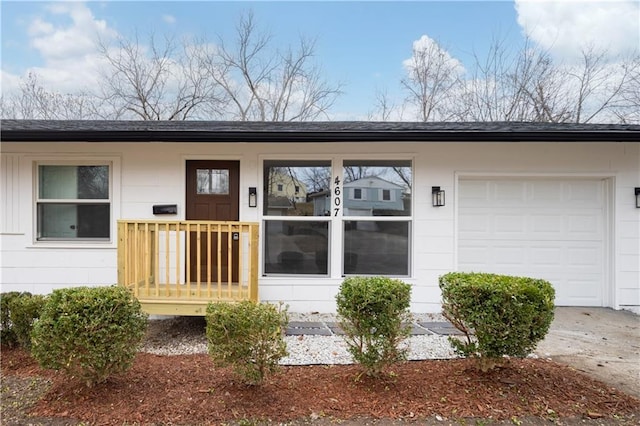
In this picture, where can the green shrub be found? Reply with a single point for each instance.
(7, 333)
(25, 311)
(89, 333)
(19, 312)
(247, 336)
(508, 315)
(374, 315)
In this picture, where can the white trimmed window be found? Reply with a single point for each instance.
(73, 202)
(376, 238)
(296, 227)
(344, 211)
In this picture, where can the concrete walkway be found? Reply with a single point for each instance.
(601, 342)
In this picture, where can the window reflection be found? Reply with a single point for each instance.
(291, 187)
(213, 181)
(377, 188)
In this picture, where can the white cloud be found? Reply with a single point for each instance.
(10, 82)
(77, 39)
(431, 49)
(66, 39)
(566, 27)
(169, 19)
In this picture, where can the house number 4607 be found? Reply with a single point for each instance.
(337, 199)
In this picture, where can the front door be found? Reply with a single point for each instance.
(213, 189)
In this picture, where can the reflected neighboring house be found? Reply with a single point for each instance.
(287, 186)
(368, 196)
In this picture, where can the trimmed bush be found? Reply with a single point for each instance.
(508, 315)
(90, 333)
(7, 333)
(19, 312)
(247, 336)
(374, 315)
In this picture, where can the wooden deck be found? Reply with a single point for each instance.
(178, 267)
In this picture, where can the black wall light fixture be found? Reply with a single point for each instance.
(437, 196)
(637, 198)
(253, 196)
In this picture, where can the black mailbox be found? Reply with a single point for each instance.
(165, 209)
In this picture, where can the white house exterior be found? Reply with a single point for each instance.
(543, 200)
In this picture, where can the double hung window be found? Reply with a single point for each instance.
(73, 202)
(295, 207)
(377, 225)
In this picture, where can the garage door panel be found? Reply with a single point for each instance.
(546, 256)
(509, 225)
(544, 192)
(548, 224)
(477, 225)
(586, 225)
(508, 193)
(584, 193)
(549, 229)
(585, 257)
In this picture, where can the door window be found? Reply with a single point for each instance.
(212, 181)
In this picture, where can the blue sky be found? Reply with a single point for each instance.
(361, 44)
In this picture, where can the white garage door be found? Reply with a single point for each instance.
(550, 229)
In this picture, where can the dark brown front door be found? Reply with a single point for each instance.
(213, 189)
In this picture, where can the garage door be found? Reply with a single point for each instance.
(550, 229)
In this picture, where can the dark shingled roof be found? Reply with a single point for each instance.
(315, 131)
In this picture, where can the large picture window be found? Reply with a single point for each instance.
(295, 192)
(73, 202)
(367, 204)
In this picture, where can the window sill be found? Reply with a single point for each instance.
(73, 245)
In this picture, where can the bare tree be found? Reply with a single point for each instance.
(385, 109)
(531, 86)
(627, 107)
(34, 101)
(537, 88)
(596, 85)
(163, 81)
(265, 84)
(510, 87)
(433, 79)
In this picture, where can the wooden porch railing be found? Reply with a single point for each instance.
(178, 267)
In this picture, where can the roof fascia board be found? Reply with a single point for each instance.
(319, 137)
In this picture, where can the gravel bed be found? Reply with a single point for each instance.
(186, 335)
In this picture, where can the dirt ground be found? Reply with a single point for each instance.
(601, 342)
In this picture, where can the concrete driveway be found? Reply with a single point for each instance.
(601, 342)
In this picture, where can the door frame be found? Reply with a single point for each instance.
(183, 180)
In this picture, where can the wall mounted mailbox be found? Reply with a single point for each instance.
(165, 209)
